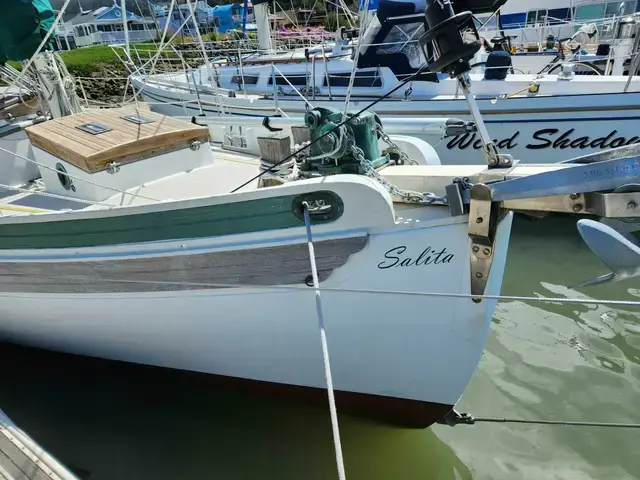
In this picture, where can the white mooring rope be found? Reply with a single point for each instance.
(325, 349)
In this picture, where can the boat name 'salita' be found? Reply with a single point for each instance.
(399, 257)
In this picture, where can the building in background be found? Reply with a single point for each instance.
(104, 26)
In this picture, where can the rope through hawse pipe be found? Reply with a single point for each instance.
(325, 348)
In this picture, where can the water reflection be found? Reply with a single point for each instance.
(555, 361)
(120, 421)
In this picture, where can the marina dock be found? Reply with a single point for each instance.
(21, 458)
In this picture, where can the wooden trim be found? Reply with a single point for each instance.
(18, 461)
(126, 142)
(145, 148)
(280, 265)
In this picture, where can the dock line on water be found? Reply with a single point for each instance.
(455, 418)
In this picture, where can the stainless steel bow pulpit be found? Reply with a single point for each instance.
(606, 184)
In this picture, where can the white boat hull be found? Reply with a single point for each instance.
(534, 129)
(401, 358)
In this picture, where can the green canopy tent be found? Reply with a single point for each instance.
(23, 25)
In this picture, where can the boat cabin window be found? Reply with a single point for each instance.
(486, 21)
(362, 79)
(295, 80)
(603, 10)
(248, 79)
(395, 44)
(558, 16)
(235, 14)
(590, 12)
(612, 8)
(405, 39)
(536, 17)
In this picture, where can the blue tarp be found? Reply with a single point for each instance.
(228, 17)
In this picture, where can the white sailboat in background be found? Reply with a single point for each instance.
(546, 118)
(537, 32)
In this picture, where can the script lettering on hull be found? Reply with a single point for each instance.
(400, 257)
(547, 138)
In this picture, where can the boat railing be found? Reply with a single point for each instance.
(21, 83)
(526, 36)
(275, 70)
(326, 73)
(616, 24)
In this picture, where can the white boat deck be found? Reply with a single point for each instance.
(227, 171)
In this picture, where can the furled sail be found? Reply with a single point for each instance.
(23, 25)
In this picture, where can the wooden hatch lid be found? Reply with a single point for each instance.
(95, 138)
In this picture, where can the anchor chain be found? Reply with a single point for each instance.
(393, 147)
(406, 196)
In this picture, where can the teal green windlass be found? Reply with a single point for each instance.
(330, 153)
(23, 25)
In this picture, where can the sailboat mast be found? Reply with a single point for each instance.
(123, 12)
(261, 14)
(245, 7)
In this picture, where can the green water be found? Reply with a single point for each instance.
(542, 361)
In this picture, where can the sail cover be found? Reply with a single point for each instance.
(23, 25)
